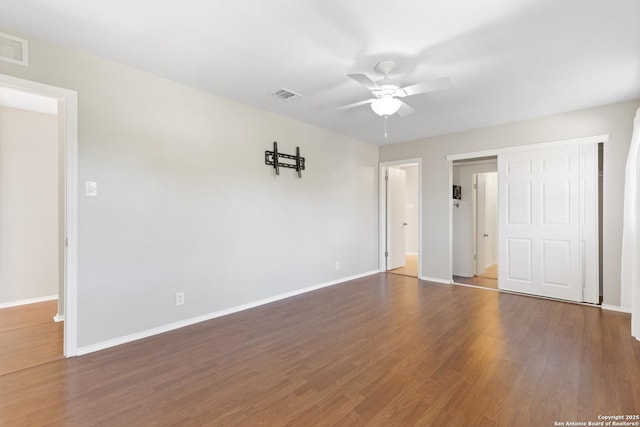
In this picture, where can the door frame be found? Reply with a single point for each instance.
(595, 139)
(68, 118)
(382, 211)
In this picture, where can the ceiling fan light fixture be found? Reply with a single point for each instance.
(386, 106)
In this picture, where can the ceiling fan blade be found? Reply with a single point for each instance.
(424, 87)
(364, 80)
(405, 110)
(355, 104)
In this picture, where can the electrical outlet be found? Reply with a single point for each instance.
(179, 298)
(337, 265)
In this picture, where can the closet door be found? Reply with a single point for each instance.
(539, 222)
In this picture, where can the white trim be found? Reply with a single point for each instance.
(27, 101)
(193, 320)
(615, 308)
(69, 100)
(58, 318)
(401, 163)
(515, 148)
(436, 280)
(28, 301)
(382, 214)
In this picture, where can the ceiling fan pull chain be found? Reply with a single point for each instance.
(385, 125)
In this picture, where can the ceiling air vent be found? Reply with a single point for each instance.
(14, 49)
(286, 95)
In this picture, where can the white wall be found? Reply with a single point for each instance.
(412, 229)
(615, 120)
(28, 205)
(462, 238)
(186, 203)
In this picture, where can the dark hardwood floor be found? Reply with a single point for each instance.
(477, 281)
(382, 350)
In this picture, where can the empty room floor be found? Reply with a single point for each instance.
(410, 267)
(488, 279)
(381, 350)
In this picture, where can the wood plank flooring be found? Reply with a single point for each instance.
(385, 350)
(491, 272)
(489, 279)
(477, 281)
(410, 267)
(29, 336)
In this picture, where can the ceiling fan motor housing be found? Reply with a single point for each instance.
(385, 91)
(385, 67)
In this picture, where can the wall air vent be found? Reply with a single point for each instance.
(286, 95)
(14, 49)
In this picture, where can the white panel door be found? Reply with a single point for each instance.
(539, 217)
(396, 217)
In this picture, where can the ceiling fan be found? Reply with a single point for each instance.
(387, 93)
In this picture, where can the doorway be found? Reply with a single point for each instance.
(400, 214)
(474, 217)
(486, 227)
(65, 233)
(29, 230)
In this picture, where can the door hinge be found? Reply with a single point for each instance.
(386, 254)
(66, 242)
(386, 177)
(475, 257)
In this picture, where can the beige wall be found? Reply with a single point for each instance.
(615, 120)
(28, 205)
(186, 204)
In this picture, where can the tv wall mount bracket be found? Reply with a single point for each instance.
(272, 158)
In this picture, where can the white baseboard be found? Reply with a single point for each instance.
(58, 318)
(437, 280)
(615, 308)
(28, 301)
(187, 322)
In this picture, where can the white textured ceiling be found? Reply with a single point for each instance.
(508, 60)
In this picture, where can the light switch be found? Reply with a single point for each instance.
(91, 188)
